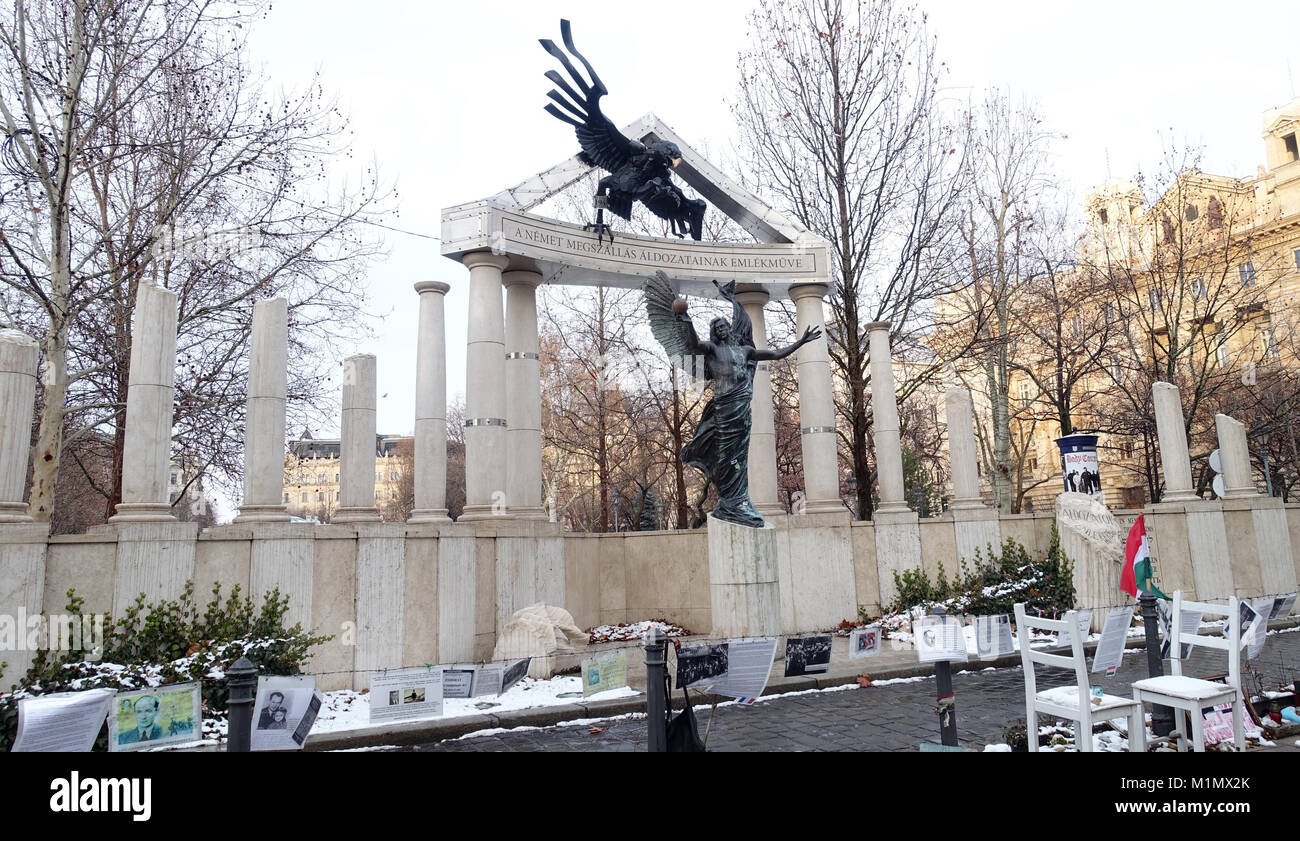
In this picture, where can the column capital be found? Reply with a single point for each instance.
(474, 259)
(521, 277)
(875, 326)
(808, 290)
(433, 286)
(753, 296)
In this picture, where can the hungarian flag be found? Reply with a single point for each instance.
(1137, 562)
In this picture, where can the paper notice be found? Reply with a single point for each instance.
(153, 718)
(1110, 651)
(603, 673)
(807, 655)
(993, 636)
(515, 673)
(406, 693)
(939, 638)
(1282, 607)
(458, 681)
(1188, 627)
(864, 642)
(283, 705)
(63, 722)
(1084, 618)
(1263, 608)
(749, 664)
(701, 664)
(487, 680)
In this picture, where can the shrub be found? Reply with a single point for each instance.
(170, 642)
(992, 582)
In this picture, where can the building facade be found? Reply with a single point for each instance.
(311, 475)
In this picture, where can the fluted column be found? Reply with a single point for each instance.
(268, 384)
(816, 405)
(431, 406)
(18, 357)
(762, 435)
(357, 443)
(149, 395)
(884, 423)
(485, 388)
(1173, 443)
(962, 453)
(523, 397)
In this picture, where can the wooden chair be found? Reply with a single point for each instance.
(1070, 702)
(1189, 695)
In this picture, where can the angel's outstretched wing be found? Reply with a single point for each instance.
(674, 331)
(603, 145)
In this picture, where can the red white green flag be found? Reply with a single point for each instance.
(1137, 572)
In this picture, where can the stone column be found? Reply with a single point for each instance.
(1173, 443)
(268, 383)
(485, 389)
(18, 357)
(816, 405)
(523, 397)
(357, 443)
(149, 393)
(884, 423)
(762, 435)
(1235, 455)
(962, 452)
(431, 406)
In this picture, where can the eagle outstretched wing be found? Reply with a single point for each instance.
(603, 145)
(674, 331)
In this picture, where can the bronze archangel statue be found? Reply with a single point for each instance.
(721, 445)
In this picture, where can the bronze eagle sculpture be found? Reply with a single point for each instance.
(729, 358)
(636, 172)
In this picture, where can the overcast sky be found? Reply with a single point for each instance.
(447, 98)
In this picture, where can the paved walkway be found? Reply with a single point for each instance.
(892, 717)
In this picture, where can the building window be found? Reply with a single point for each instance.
(1024, 395)
(1190, 213)
(286, 499)
(320, 497)
(1200, 289)
(393, 476)
(1110, 313)
(379, 477)
(1155, 297)
(1214, 213)
(1291, 149)
(1126, 449)
(1221, 351)
(1297, 259)
(336, 477)
(1247, 272)
(1117, 369)
(1033, 464)
(1102, 215)
(1267, 341)
(304, 496)
(1167, 228)
(174, 475)
(320, 477)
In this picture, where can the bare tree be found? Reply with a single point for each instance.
(838, 123)
(146, 151)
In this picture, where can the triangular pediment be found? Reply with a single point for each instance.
(748, 211)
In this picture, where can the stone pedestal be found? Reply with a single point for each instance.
(268, 384)
(898, 548)
(381, 584)
(149, 393)
(431, 407)
(283, 558)
(1092, 538)
(152, 558)
(1189, 546)
(744, 588)
(22, 588)
(815, 568)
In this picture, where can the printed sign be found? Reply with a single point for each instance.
(152, 718)
(600, 674)
(864, 642)
(406, 693)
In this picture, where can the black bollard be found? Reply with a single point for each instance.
(1162, 717)
(946, 704)
(656, 712)
(242, 680)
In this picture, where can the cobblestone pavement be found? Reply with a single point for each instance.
(892, 717)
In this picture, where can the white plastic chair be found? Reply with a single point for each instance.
(1189, 695)
(1070, 702)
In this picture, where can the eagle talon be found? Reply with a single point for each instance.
(602, 230)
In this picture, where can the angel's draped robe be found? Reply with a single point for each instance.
(721, 444)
